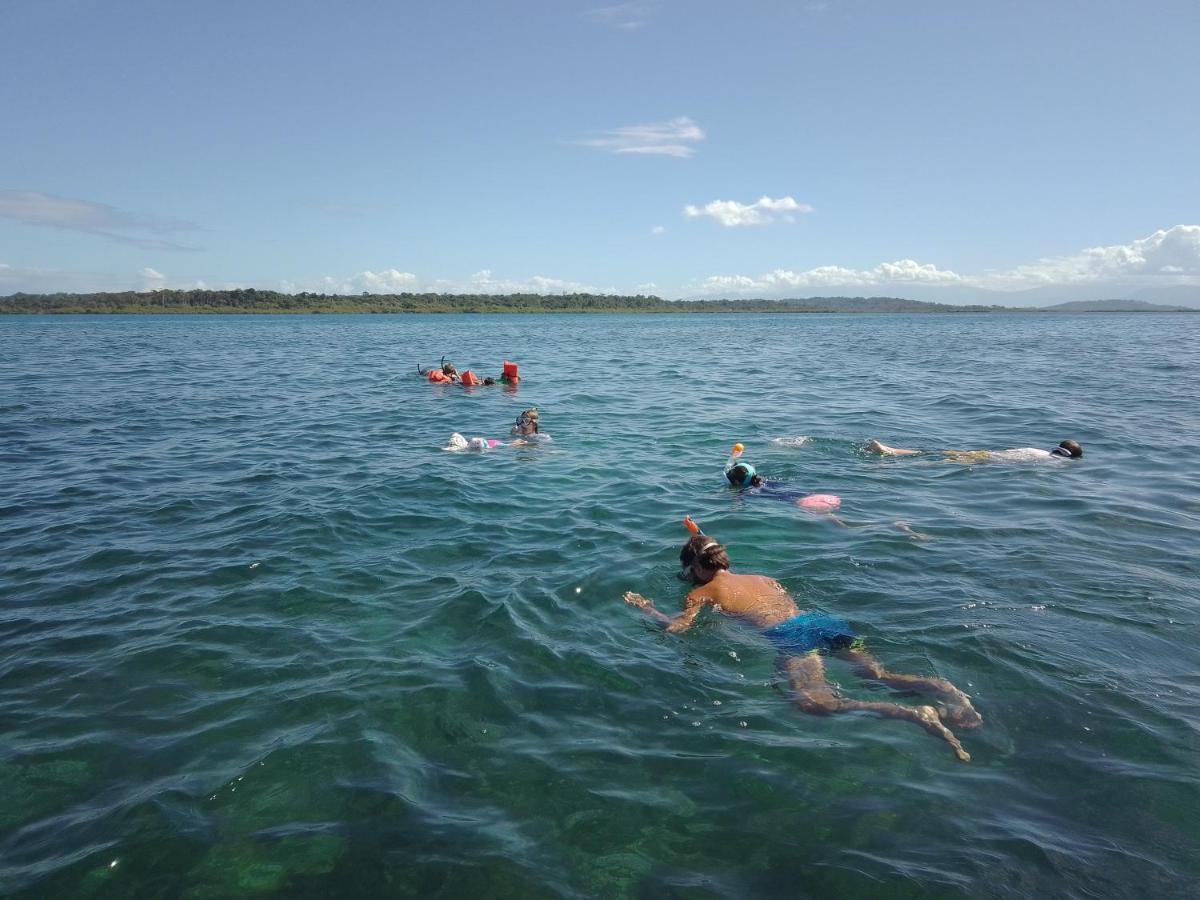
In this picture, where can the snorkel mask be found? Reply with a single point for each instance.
(527, 422)
(747, 479)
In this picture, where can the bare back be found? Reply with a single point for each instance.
(759, 600)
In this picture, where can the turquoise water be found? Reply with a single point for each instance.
(260, 636)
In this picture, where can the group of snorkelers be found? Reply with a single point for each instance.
(802, 638)
(447, 373)
(525, 430)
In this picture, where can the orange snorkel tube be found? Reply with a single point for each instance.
(691, 526)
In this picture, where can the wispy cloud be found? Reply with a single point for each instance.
(657, 230)
(763, 211)
(99, 219)
(152, 279)
(623, 16)
(676, 138)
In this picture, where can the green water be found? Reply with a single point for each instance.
(260, 636)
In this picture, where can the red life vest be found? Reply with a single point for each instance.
(469, 379)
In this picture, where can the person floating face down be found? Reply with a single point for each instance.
(1065, 450)
(742, 475)
(801, 639)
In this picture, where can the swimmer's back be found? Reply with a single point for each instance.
(759, 600)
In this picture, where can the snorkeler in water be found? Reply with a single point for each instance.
(800, 640)
(1065, 450)
(528, 428)
(744, 476)
(741, 474)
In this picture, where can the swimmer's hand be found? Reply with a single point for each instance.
(638, 600)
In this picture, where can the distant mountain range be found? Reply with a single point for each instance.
(1185, 296)
(1114, 306)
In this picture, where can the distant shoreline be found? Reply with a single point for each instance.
(250, 301)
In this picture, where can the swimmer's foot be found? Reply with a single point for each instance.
(927, 718)
(956, 709)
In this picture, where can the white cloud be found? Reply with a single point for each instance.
(484, 282)
(86, 217)
(1170, 256)
(152, 279)
(763, 211)
(658, 229)
(1173, 251)
(389, 281)
(623, 16)
(904, 271)
(673, 138)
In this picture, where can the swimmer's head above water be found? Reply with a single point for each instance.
(702, 558)
(743, 475)
(1069, 449)
(527, 422)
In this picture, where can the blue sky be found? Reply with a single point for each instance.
(938, 150)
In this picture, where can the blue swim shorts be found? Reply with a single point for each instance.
(812, 631)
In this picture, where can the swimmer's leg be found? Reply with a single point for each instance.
(908, 529)
(813, 694)
(885, 450)
(955, 706)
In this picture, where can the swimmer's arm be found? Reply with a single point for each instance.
(682, 622)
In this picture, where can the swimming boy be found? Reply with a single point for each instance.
(800, 638)
(1065, 450)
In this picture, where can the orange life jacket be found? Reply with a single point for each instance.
(437, 376)
(511, 371)
(469, 379)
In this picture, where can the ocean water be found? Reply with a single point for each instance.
(260, 636)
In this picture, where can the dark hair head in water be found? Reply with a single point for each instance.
(741, 475)
(1068, 448)
(705, 552)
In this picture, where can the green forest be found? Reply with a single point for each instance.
(250, 300)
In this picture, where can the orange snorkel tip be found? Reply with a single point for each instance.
(691, 526)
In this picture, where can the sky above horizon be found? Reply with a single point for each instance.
(935, 150)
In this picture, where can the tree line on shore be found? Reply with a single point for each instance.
(252, 300)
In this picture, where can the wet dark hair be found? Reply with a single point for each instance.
(489, 381)
(707, 551)
(1073, 448)
(737, 474)
(448, 368)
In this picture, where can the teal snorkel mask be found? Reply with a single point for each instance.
(747, 478)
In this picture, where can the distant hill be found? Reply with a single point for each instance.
(1113, 306)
